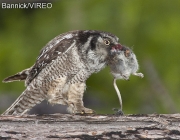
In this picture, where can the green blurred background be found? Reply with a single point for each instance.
(150, 27)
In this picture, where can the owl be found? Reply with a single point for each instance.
(60, 72)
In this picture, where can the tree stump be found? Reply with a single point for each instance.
(65, 126)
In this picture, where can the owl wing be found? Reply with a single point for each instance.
(56, 47)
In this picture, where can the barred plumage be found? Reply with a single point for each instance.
(62, 68)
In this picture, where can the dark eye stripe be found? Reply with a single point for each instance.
(83, 36)
(93, 42)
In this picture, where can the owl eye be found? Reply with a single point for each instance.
(106, 42)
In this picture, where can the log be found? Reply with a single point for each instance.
(66, 126)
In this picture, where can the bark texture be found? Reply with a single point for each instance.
(65, 126)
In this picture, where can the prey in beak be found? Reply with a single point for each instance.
(123, 63)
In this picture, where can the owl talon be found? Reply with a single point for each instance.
(86, 111)
(79, 111)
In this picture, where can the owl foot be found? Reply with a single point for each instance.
(87, 111)
(79, 110)
(83, 111)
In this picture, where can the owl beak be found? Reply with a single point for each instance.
(119, 47)
(116, 48)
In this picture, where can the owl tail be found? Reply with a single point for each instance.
(27, 100)
(18, 77)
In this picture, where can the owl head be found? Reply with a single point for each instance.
(99, 43)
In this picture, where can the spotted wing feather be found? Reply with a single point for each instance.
(50, 52)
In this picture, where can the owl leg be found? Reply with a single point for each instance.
(75, 98)
(55, 94)
(57, 99)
